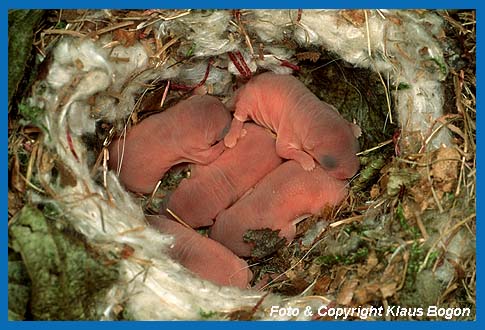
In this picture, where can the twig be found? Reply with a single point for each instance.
(346, 221)
(433, 191)
(421, 226)
(30, 165)
(242, 30)
(114, 27)
(64, 32)
(164, 96)
(154, 191)
(178, 218)
(381, 14)
(388, 98)
(380, 145)
(368, 33)
(240, 64)
(165, 47)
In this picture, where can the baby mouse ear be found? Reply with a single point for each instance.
(355, 130)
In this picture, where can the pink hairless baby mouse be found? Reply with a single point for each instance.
(186, 132)
(276, 202)
(214, 187)
(203, 256)
(307, 129)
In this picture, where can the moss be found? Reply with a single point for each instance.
(18, 287)
(443, 69)
(416, 257)
(359, 255)
(264, 241)
(208, 315)
(352, 249)
(191, 50)
(357, 93)
(31, 115)
(403, 86)
(369, 173)
(67, 279)
(21, 27)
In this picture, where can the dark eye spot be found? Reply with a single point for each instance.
(328, 162)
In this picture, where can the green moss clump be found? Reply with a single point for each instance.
(66, 279)
(21, 28)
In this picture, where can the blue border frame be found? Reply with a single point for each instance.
(47, 4)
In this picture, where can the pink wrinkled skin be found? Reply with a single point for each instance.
(285, 194)
(307, 129)
(203, 256)
(185, 132)
(214, 187)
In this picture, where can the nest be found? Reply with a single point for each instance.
(404, 237)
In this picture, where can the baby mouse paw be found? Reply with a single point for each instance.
(307, 164)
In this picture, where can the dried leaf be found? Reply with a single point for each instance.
(126, 38)
(16, 179)
(68, 178)
(394, 19)
(46, 162)
(346, 294)
(375, 191)
(371, 263)
(366, 293)
(388, 289)
(322, 285)
(399, 178)
(339, 278)
(444, 170)
(354, 17)
(310, 56)
(15, 203)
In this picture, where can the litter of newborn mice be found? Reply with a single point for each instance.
(221, 164)
(214, 187)
(245, 187)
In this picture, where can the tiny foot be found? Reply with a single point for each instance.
(307, 164)
(234, 133)
(290, 152)
(230, 140)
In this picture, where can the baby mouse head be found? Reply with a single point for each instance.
(336, 151)
(211, 118)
